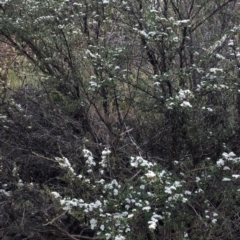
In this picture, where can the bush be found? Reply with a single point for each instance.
(130, 128)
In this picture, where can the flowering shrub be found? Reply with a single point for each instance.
(130, 128)
(154, 200)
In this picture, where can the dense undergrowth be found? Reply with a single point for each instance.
(58, 183)
(121, 121)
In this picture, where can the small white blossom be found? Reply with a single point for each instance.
(64, 163)
(139, 161)
(4, 192)
(119, 237)
(229, 156)
(168, 190)
(235, 175)
(225, 168)
(177, 184)
(220, 162)
(226, 179)
(93, 223)
(150, 174)
(185, 235)
(198, 179)
(108, 236)
(199, 190)
(186, 104)
(147, 208)
(214, 221)
(152, 225)
(88, 155)
(56, 194)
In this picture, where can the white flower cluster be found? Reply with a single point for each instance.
(152, 224)
(89, 159)
(113, 185)
(150, 174)
(105, 153)
(68, 204)
(140, 162)
(213, 216)
(64, 163)
(182, 97)
(170, 189)
(4, 192)
(230, 156)
(227, 158)
(127, 202)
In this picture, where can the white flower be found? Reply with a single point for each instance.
(168, 190)
(152, 225)
(87, 154)
(64, 163)
(183, 95)
(215, 70)
(229, 156)
(182, 21)
(186, 235)
(177, 184)
(235, 175)
(147, 208)
(108, 236)
(119, 237)
(138, 204)
(106, 152)
(214, 221)
(225, 168)
(139, 161)
(220, 162)
(199, 190)
(198, 179)
(101, 181)
(56, 194)
(20, 183)
(93, 223)
(150, 174)
(186, 104)
(226, 179)
(3, 191)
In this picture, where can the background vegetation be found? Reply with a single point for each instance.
(120, 119)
